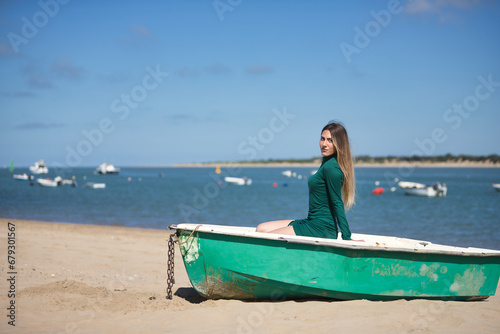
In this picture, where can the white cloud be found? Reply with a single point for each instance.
(142, 31)
(438, 6)
(39, 125)
(138, 36)
(7, 51)
(259, 69)
(65, 68)
(218, 69)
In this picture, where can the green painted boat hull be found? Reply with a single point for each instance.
(241, 267)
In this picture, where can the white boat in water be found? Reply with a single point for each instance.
(496, 186)
(56, 182)
(420, 189)
(241, 181)
(94, 185)
(70, 182)
(23, 177)
(288, 173)
(39, 167)
(106, 168)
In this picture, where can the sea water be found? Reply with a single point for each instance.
(157, 197)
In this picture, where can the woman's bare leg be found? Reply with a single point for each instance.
(284, 230)
(276, 226)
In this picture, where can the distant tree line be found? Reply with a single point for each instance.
(448, 158)
(291, 161)
(492, 158)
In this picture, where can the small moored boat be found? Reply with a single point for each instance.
(106, 168)
(496, 186)
(56, 182)
(240, 181)
(22, 177)
(94, 185)
(239, 263)
(70, 182)
(420, 189)
(288, 173)
(39, 167)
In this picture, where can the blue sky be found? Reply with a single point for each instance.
(167, 82)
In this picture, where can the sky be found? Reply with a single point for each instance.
(155, 83)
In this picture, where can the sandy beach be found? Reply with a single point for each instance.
(100, 279)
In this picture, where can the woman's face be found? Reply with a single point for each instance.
(326, 144)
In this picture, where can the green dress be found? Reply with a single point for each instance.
(326, 208)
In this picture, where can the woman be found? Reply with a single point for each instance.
(330, 189)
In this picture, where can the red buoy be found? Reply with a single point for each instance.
(378, 191)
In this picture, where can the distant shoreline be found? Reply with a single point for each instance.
(444, 161)
(463, 164)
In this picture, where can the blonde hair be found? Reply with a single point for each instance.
(341, 142)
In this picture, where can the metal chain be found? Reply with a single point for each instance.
(170, 265)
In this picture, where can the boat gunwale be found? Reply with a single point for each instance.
(345, 244)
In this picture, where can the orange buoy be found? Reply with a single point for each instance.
(378, 191)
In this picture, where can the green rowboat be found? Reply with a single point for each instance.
(239, 263)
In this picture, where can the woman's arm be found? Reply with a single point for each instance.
(334, 179)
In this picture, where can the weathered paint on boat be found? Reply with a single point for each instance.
(238, 263)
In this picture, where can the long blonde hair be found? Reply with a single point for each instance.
(341, 142)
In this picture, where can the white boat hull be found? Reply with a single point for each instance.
(425, 192)
(95, 185)
(419, 189)
(37, 171)
(48, 183)
(289, 173)
(22, 177)
(39, 168)
(240, 181)
(106, 168)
